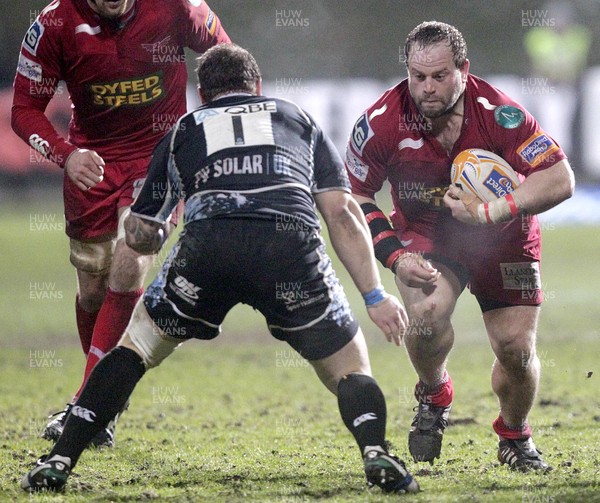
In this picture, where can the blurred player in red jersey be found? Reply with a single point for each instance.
(439, 242)
(124, 66)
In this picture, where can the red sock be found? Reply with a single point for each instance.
(113, 319)
(511, 433)
(440, 396)
(85, 325)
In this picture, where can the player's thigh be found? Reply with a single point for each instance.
(191, 294)
(353, 358)
(512, 330)
(435, 303)
(94, 213)
(301, 297)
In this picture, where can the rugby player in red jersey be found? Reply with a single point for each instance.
(124, 66)
(437, 242)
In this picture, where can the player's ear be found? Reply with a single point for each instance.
(465, 70)
(258, 86)
(202, 98)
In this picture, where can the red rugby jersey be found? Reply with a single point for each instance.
(392, 141)
(127, 84)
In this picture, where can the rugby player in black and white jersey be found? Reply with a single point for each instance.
(252, 171)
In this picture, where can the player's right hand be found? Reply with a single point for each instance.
(85, 168)
(391, 318)
(416, 271)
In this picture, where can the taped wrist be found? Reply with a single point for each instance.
(500, 210)
(385, 242)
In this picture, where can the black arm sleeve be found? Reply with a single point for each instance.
(385, 242)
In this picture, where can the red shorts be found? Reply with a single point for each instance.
(95, 212)
(500, 263)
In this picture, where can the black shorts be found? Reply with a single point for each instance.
(286, 275)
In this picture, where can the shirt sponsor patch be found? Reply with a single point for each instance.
(211, 22)
(509, 117)
(524, 276)
(134, 92)
(537, 148)
(361, 134)
(355, 166)
(29, 69)
(33, 37)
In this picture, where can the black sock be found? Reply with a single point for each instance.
(362, 406)
(108, 387)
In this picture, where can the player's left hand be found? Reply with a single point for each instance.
(463, 205)
(391, 318)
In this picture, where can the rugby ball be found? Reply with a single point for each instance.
(483, 174)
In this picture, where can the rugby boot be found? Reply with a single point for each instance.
(521, 455)
(55, 427)
(426, 432)
(104, 438)
(388, 472)
(48, 474)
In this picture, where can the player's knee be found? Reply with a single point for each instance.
(516, 353)
(147, 339)
(428, 319)
(92, 258)
(129, 267)
(91, 301)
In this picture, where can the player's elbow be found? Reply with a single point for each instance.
(338, 215)
(570, 186)
(566, 184)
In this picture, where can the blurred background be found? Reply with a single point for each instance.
(334, 58)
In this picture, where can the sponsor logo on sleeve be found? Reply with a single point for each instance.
(29, 69)
(358, 168)
(522, 276)
(38, 143)
(509, 117)
(196, 3)
(33, 37)
(361, 134)
(211, 22)
(537, 148)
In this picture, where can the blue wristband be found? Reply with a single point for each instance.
(375, 296)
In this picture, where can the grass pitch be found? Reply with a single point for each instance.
(244, 418)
